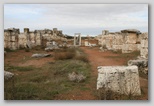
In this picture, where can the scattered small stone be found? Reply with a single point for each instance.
(76, 77)
(40, 55)
(8, 75)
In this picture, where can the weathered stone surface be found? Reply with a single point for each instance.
(144, 52)
(40, 55)
(144, 46)
(48, 49)
(130, 38)
(127, 48)
(10, 38)
(86, 43)
(117, 47)
(22, 40)
(130, 31)
(118, 39)
(29, 44)
(121, 79)
(76, 77)
(105, 32)
(13, 39)
(109, 41)
(8, 75)
(141, 63)
(144, 43)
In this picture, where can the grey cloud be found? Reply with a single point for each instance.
(87, 18)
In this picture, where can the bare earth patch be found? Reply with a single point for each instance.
(22, 58)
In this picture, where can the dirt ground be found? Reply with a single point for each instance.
(22, 58)
(96, 58)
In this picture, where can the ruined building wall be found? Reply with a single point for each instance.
(131, 42)
(109, 41)
(13, 39)
(22, 40)
(127, 41)
(118, 41)
(144, 45)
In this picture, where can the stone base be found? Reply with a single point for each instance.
(121, 79)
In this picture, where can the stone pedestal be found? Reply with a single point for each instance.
(121, 79)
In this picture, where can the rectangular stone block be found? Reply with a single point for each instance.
(144, 52)
(13, 38)
(117, 47)
(121, 79)
(130, 38)
(127, 48)
(144, 43)
(118, 40)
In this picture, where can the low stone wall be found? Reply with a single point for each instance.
(121, 79)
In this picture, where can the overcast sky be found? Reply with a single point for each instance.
(87, 19)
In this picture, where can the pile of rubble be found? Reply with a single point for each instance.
(141, 63)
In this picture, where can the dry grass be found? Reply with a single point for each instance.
(49, 81)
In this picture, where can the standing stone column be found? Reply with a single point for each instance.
(79, 40)
(26, 32)
(74, 39)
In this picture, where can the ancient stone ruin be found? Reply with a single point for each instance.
(127, 41)
(144, 46)
(77, 39)
(120, 79)
(13, 39)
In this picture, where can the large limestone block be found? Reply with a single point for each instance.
(86, 43)
(144, 43)
(139, 62)
(144, 52)
(22, 38)
(117, 47)
(127, 48)
(32, 37)
(118, 40)
(130, 38)
(144, 35)
(13, 39)
(13, 46)
(138, 46)
(40, 55)
(121, 79)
